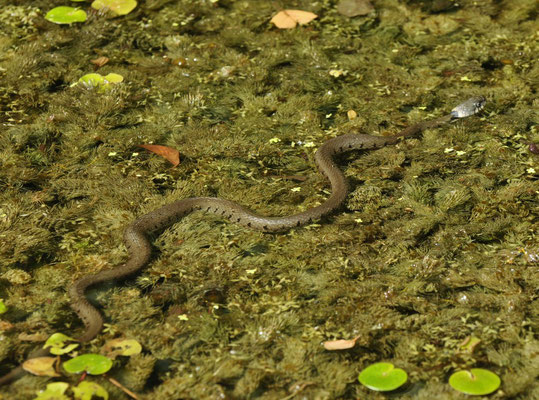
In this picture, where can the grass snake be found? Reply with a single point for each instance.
(139, 247)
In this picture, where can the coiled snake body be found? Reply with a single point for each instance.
(139, 248)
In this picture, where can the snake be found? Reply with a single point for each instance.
(136, 234)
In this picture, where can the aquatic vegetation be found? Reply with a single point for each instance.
(89, 390)
(118, 7)
(54, 391)
(383, 376)
(93, 364)
(65, 15)
(102, 83)
(476, 381)
(431, 248)
(58, 343)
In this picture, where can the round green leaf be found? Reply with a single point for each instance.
(118, 7)
(90, 390)
(65, 15)
(113, 78)
(93, 364)
(477, 381)
(382, 377)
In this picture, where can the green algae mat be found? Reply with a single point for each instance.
(431, 265)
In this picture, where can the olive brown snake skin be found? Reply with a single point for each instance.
(139, 248)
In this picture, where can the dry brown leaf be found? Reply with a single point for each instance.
(100, 61)
(33, 337)
(341, 344)
(41, 366)
(288, 19)
(6, 326)
(172, 155)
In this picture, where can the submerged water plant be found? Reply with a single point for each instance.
(477, 381)
(383, 377)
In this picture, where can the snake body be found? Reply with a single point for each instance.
(139, 247)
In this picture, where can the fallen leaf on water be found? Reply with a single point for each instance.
(41, 366)
(172, 155)
(32, 337)
(341, 344)
(100, 61)
(288, 19)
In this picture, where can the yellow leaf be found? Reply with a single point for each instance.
(122, 347)
(41, 366)
(288, 19)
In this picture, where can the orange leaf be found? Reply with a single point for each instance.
(341, 344)
(288, 19)
(172, 155)
(41, 366)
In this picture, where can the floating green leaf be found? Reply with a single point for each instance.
(65, 15)
(103, 83)
(118, 7)
(113, 78)
(92, 80)
(382, 377)
(58, 345)
(477, 381)
(54, 391)
(93, 364)
(87, 390)
(3, 307)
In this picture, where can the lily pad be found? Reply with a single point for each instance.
(118, 7)
(58, 344)
(90, 390)
(477, 381)
(93, 364)
(383, 377)
(54, 391)
(65, 15)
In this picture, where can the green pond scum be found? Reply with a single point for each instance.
(437, 242)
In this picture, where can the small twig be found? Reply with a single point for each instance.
(126, 390)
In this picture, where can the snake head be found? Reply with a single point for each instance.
(469, 107)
